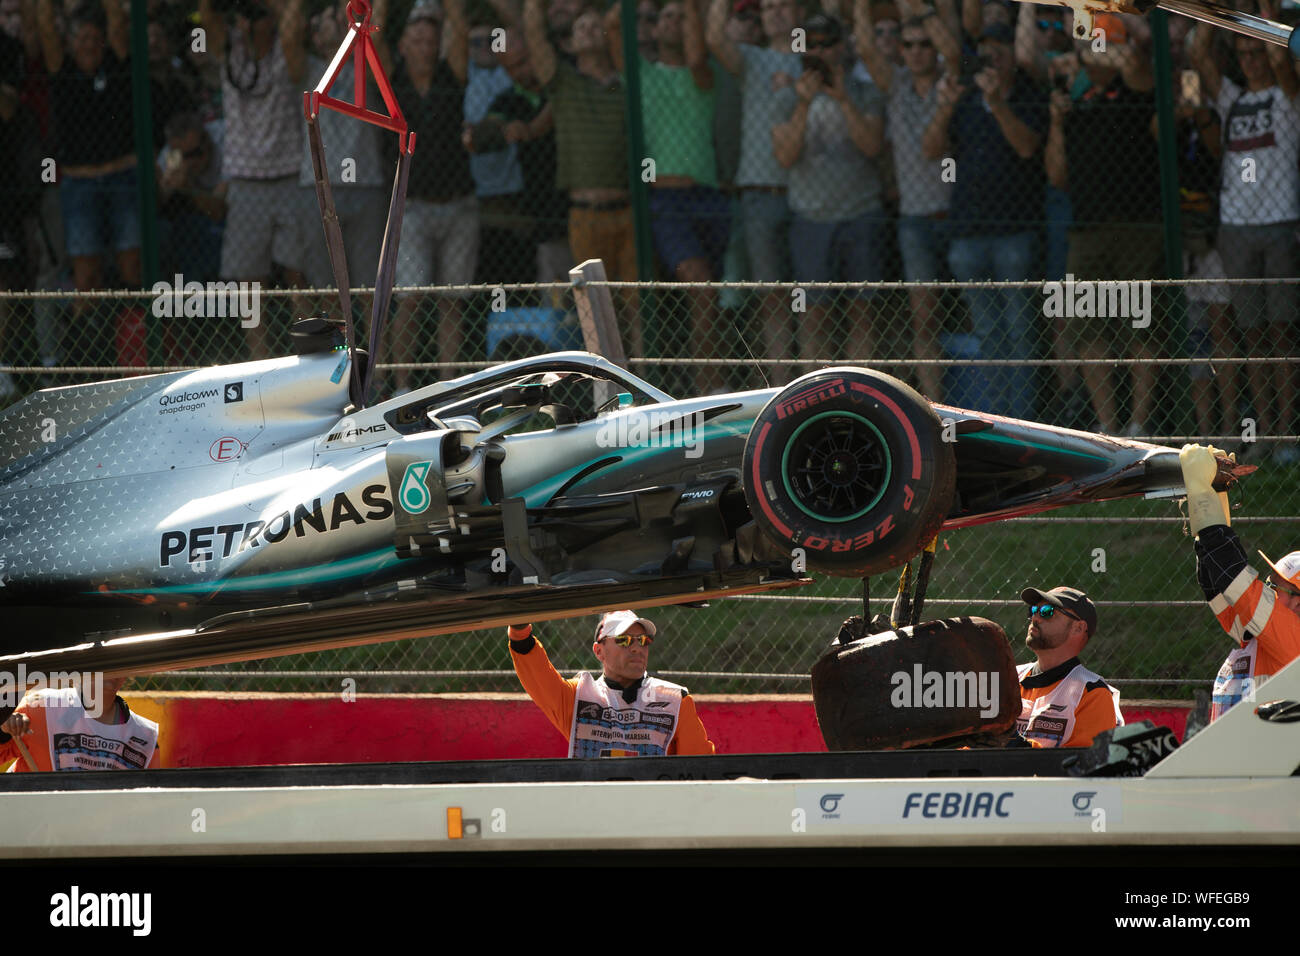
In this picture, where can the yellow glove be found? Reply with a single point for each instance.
(1205, 506)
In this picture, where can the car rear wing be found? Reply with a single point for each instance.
(359, 45)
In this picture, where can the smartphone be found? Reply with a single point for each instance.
(1189, 91)
(1061, 82)
(815, 65)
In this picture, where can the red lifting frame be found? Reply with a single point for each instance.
(358, 42)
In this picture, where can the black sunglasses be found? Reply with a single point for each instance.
(923, 44)
(1047, 611)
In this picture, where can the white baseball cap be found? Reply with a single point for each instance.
(1288, 569)
(616, 623)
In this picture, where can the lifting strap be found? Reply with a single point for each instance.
(359, 44)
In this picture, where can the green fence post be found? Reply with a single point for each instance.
(143, 122)
(1168, 145)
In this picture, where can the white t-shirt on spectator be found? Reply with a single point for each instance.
(1262, 125)
(263, 113)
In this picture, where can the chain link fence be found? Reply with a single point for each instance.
(1100, 234)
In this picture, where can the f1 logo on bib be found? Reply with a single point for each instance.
(413, 494)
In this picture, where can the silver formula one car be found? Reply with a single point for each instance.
(246, 510)
(250, 510)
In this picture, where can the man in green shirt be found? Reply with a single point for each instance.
(689, 215)
(591, 146)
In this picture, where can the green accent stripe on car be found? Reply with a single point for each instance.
(535, 496)
(1054, 449)
(334, 571)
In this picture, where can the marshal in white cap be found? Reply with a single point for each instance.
(1288, 569)
(616, 623)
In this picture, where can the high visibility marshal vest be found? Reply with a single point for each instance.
(79, 743)
(1049, 719)
(1235, 680)
(605, 725)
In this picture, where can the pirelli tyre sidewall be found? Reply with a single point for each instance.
(849, 465)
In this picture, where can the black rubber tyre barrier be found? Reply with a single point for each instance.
(849, 465)
(879, 692)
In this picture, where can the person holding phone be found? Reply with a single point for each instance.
(992, 127)
(831, 143)
(1117, 232)
(622, 713)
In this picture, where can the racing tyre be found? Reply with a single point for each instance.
(879, 691)
(849, 465)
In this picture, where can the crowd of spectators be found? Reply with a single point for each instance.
(858, 141)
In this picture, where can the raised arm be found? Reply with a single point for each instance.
(715, 34)
(950, 16)
(51, 42)
(540, 51)
(787, 137)
(293, 38)
(864, 44)
(613, 26)
(944, 36)
(379, 17)
(1029, 43)
(457, 40)
(1202, 58)
(118, 30)
(972, 17)
(31, 36)
(934, 142)
(1022, 138)
(866, 130)
(214, 28)
(1054, 152)
(508, 11)
(697, 52)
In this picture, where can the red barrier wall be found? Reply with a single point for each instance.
(224, 730)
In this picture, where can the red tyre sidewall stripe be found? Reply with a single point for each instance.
(889, 403)
(757, 485)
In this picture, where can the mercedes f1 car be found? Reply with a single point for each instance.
(251, 501)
